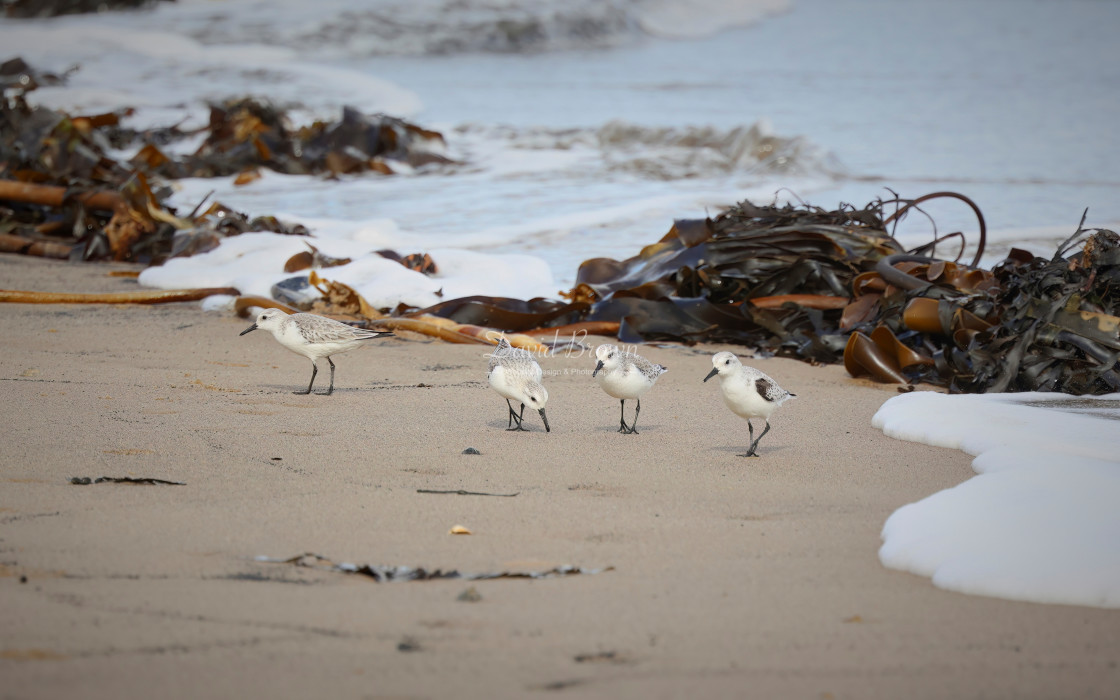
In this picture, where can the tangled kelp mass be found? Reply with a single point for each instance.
(829, 286)
(63, 192)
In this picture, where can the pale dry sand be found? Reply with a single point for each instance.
(732, 577)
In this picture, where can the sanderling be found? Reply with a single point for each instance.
(625, 375)
(313, 337)
(514, 374)
(747, 392)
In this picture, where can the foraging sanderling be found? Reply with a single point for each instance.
(514, 374)
(625, 375)
(747, 392)
(313, 337)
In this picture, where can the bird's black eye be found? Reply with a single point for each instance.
(727, 362)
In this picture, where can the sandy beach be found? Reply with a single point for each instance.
(720, 576)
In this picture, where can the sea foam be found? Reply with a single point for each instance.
(254, 262)
(1040, 522)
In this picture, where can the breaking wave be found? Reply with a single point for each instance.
(439, 27)
(655, 153)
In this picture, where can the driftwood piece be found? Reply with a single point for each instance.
(27, 246)
(608, 328)
(54, 196)
(155, 296)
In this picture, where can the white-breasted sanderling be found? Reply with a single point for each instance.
(514, 374)
(313, 337)
(747, 392)
(625, 375)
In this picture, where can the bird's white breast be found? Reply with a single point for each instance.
(289, 336)
(504, 383)
(742, 398)
(624, 383)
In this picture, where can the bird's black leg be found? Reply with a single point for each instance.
(622, 427)
(314, 371)
(631, 429)
(750, 448)
(514, 418)
(754, 443)
(330, 390)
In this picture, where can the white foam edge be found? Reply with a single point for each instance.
(1039, 523)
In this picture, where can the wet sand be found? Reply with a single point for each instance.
(731, 577)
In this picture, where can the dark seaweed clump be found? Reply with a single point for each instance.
(54, 8)
(65, 193)
(835, 286)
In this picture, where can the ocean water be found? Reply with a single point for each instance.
(583, 128)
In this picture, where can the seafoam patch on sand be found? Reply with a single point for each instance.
(254, 262)
(1040, 521)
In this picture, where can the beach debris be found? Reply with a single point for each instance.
(471, 451)
(459, 530)
(1029, 324)
(312, 258)
(154, 296)
(16, 74)
(296, 292)
(409, 644)
(603, 657)
(147, 481)
(386, 574)
(247, 133)
(471, 595)
(244, 306)
(559, 685)
(728, 279)
(55, 8)
(461, 492)
(64, 192)
(419, 262)
(830, 286)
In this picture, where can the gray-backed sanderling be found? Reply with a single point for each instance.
(625, 375)
(514, 374)
(313, 337)
(747, 392)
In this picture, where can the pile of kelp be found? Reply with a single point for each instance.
(830, 286)
(64, 194)
(54, 8)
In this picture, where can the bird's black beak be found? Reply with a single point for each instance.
(597, 368)
(250, 328)
(711, 374)
(545, 419)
